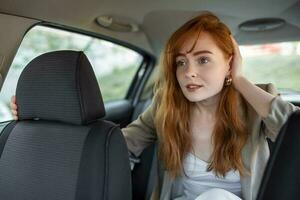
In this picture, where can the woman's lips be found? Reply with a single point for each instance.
(193, 87)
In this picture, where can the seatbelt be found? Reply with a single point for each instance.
(153, 176)
(133, 160)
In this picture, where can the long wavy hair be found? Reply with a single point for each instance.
(172, 110)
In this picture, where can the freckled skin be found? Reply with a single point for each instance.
(210, 72)
(206, 66)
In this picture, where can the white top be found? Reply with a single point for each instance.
(198, 180)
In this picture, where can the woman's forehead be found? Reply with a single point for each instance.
(198, 43)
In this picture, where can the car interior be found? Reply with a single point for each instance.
(72, 154)
(121, 42)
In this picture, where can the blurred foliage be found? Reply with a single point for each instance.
(113, 85)
(281, 70)
(114, 65)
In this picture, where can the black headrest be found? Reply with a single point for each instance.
(59, 86)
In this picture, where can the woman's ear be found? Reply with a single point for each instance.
(229, 63)
(230, 60)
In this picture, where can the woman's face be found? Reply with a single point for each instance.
(201, 72)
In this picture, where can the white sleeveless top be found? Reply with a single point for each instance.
(197, 180)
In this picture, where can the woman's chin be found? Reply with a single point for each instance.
(194, 99)
(199, 98)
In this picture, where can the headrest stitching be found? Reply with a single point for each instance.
(78, 85)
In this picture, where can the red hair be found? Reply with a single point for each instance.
(172, 111)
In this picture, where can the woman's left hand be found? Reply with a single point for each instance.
(236, 62)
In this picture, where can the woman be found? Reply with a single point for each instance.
(211, 123)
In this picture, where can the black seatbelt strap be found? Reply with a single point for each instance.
(154, 175)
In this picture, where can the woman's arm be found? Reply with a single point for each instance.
(140, 133)
(259, 99)
(273, 110)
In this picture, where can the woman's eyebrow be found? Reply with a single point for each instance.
(180, 54)
(201, 52)
(194, 54)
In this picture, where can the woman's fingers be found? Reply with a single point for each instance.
(14, 107)
(236, 47)
(13, 104)
(14, 112)
(15, 117)
(13, 99)
(236, 64)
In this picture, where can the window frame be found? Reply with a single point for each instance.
(143, 71)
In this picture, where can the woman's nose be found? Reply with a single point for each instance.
(190, 72)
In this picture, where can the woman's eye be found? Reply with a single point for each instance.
(203, 60)
(180, 63)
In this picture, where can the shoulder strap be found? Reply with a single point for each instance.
(153, 175)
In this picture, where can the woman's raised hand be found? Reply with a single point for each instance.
(14, 107)
(236, 63)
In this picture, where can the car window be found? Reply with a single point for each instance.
(277, 63)
(114, 65)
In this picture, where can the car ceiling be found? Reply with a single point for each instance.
(158, 19)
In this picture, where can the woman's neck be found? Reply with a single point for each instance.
(207, 107)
